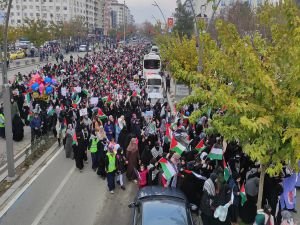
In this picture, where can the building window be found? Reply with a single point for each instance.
(57, 8)
(12, 21)
(18, 21)
(65, 8)
(37, 7)
(44, 15)
(37, 14)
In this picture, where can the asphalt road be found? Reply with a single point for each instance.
(61, 195)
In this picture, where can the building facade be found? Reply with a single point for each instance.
(204, 9)
(99, 15)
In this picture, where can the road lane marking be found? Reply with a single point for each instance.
(53, 197)
(24, 188)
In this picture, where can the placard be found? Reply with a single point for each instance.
(148, 114)
(77, 89)
(83, 112)
(94, 100)
(63, 91)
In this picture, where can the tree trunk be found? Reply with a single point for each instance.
(261, 186)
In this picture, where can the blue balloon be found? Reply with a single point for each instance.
(49, 90)
(35, 86)
(48, 80)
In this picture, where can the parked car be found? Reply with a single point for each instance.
(156, 205)
(82, 48)
(17, 55)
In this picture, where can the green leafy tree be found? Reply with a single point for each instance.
(258, 81)
(184, 21)
(36, 31)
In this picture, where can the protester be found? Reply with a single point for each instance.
(99, 103)
(111, 167)
(133, 158)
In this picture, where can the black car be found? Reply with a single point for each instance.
(155, 205)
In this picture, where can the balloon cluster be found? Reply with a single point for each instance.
(38, 84)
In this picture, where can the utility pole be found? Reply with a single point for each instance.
(7, 103)
(156, 5)
(124, 23)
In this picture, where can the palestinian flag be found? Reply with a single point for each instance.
(200, 146)
(76, 101)
(134, 94)
(176, 146)
(243, 195)
(75, 141)
(226, 171)
(101, 115)
(168, 169)
(27, 98)
(50, 111)
(216, 153)
(30, 116)
(86, 92)
(168, 132)
(107, 99)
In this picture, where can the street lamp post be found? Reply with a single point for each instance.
(156, 5)
(7, 103)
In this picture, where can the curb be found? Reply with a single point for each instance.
(22, 181)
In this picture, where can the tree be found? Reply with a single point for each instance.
(184, 21)
(258, 81)
(36, 31)
(147, 29)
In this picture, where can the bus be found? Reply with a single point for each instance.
(151, 64)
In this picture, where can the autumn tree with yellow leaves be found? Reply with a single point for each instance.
(257, 79)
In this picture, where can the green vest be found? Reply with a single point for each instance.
(111, 162)
(93, 147)
(2, 120)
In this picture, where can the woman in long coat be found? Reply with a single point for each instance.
(17, 128)
(101, 152)
(69, 140)
(133, 158)
(78, 149)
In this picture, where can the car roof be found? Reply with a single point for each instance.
(158, 191)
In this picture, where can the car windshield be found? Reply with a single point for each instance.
(162, 212)
(151, 64)
(154, 82)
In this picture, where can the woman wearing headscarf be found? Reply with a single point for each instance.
(69, 140)
(79, 151)
(17, 128)
(133, 158)
(119, 126)
(101, 153)
(206, 204)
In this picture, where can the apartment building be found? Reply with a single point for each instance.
(57, 11)
(204, 9)
(120, 13)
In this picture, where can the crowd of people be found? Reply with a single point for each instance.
(90, 107)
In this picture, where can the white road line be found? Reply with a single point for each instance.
(53, 197)
(15, 198)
